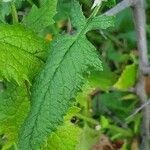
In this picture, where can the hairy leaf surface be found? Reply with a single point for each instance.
(14, 106)
(39, 18)
(21, 53)
(72, 58)
(67, 136)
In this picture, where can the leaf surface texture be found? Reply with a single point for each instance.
(72, 58)
(14, 106)
(39, 18)
(21, 53)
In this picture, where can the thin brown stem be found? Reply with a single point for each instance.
(140, 27)
(145, 131)
(120, 7)
(139, 109)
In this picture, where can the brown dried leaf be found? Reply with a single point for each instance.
(103, 144)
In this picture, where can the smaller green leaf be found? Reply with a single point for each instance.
(127, 78)
(67, 135)
(103, 79)
(4, 11)
(104, 122)
(89, 137)
(14, 106)
(65, 138)
(22, 53)
(39, 18)
(72, 112)
(101, 22)
(124, 21)
(129, 96)
(83, 96)
(111, 104)
(63, 9)
(114, 131)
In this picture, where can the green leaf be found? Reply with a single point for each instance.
(114, 131)
(63, 9)
(40, 18)
(19, 2)
(100, 22)
(112, 104)
(84, 96)
(4, 11)
(124, 21)
(127, 78)
(104, 79)
(65, 138)
(53, 93)
(14, 106)
(110, 3)
(21, 53)
(5, 8)
(104, 122)
(88, 139)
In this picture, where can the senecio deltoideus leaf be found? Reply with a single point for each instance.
(21, 53)
(54, 91)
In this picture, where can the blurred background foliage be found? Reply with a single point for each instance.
(105, 101)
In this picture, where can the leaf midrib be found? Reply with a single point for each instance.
(81, 33)
(24, 51)
(41, 104)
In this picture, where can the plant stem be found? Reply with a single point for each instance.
(69, 26)
(139, 109)
(14, 12)
(95, 11)
(120, 7)
(87, 119)
(125, 132)
(140, 26)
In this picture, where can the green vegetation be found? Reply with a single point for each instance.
(66, 76)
